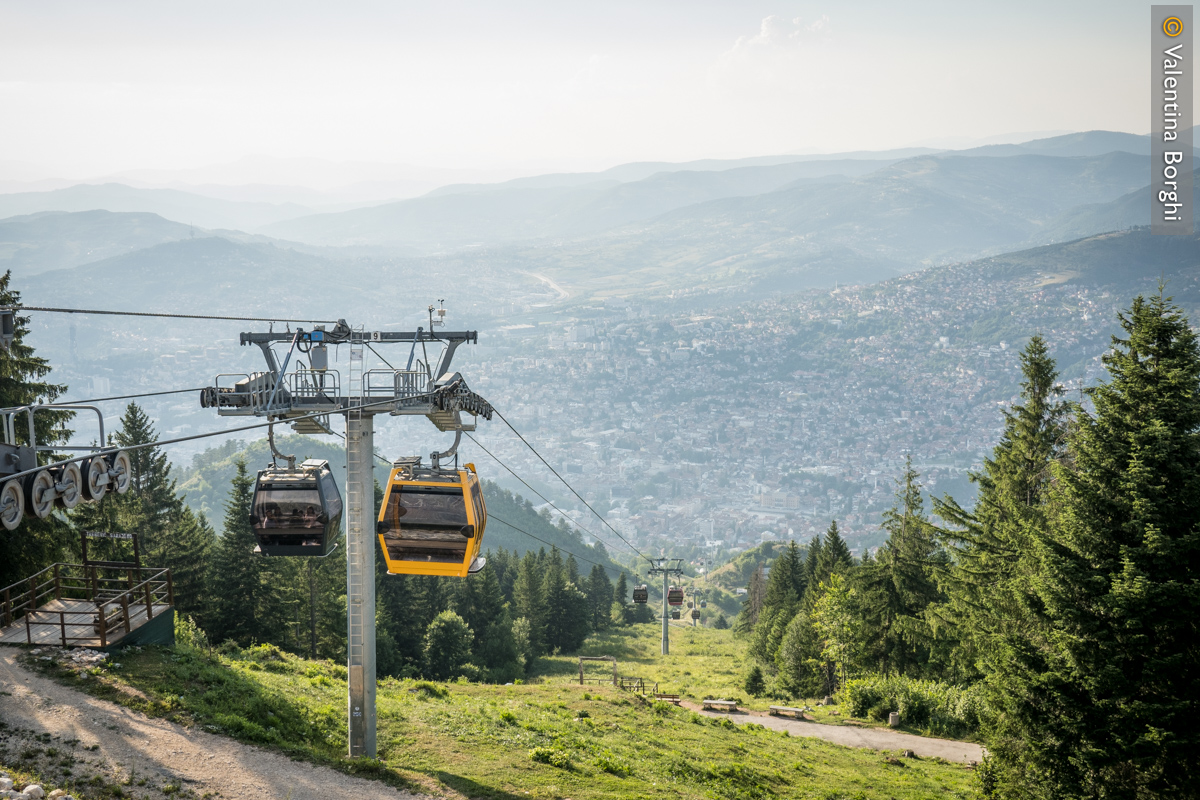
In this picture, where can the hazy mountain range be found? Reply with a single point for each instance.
(722, 230)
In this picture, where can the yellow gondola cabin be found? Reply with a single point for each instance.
(432, 521)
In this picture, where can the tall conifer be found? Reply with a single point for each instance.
(1099, 696)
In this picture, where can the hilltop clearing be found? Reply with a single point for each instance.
(550, 739)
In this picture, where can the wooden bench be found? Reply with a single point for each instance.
(776, 711)
(720, 705)
(668, 698)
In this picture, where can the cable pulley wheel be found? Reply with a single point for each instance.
(39, 493)
(70, 478)
(95, 473)
(12, 505)
(123, 468)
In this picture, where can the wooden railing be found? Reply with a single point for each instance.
(113, 598)
(638, 685)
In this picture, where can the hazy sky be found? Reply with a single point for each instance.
(91, 87)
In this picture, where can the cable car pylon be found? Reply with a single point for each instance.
(668, 568)
(311, 393)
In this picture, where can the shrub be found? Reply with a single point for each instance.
(428, 689)
(188, 633)
(612, 765)
(508, 718)
(447, 645)
(941, 708)
(548, 755)
(754, 684)
(661, 708)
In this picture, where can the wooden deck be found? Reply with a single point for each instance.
(72, 621)
(64, 605)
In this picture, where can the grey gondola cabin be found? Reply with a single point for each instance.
(640, 594)
(297, 511)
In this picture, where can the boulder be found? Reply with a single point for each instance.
(34, 791)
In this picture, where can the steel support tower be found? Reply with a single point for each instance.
(668, 568)
(311, 393)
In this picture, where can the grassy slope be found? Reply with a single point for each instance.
(476, 740)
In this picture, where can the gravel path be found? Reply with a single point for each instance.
(165, 752)
(851, 736)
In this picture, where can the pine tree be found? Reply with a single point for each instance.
(786, 584)
(619, 611)
(747, 618)
(901, 585)
(993, 554)
(599, 591)
(151, 497)
(192, 542)
(245, 607)
(834, 555)
(36, 543)
(812, 570)
(781, 601)
(530, 602)
(567, 620)
(1098, 696)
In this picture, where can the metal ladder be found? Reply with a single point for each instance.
(360, 559)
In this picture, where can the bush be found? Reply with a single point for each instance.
(447, 646)
(188, 633)
(612, 765)
(941, 708)
(428, 689)
(548, 755)
(661, 708)
(722, 623)
(754, 684)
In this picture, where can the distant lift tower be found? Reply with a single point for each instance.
(311, 393)
(668, 568)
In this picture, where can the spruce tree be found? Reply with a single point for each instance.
(747, 618)
(899, 588)
(1098, 695)
(151, 487)
(192, 542)
(599, 591)
(988, 586)
(530, 603)
(244, 606)
(834, 555)
(37, 542)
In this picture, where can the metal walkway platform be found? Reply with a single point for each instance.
(70, 605)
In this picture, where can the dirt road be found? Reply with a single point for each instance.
(161, 752)
(850, 736)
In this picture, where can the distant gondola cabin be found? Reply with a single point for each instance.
(432, 522)
(297, 511)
